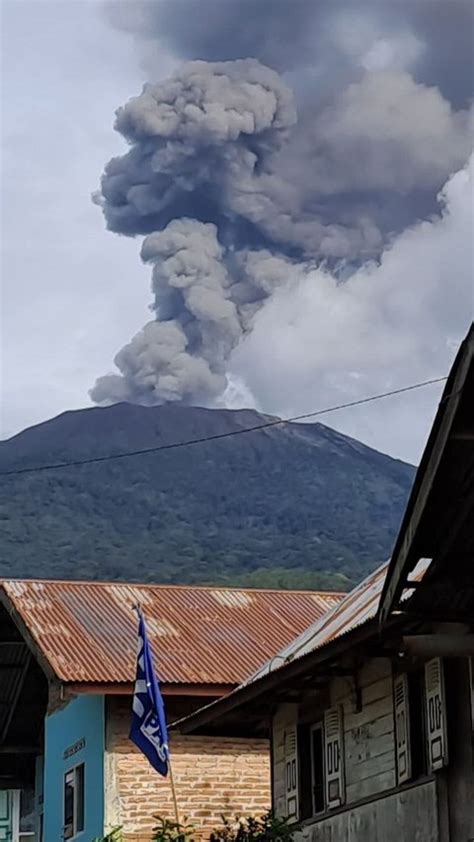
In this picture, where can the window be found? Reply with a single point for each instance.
(27, 815)
(317, 768)
(402, 710)
(334, 757)
(291, 774)
(416, 691)
(435, 714)
(410, 726)
(321, 765)
(74, 801)
(304, 772)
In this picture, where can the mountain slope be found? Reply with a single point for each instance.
(280, 506)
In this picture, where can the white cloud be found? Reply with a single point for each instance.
(366, 41)
(399, 52)
(320, 342)
(384, 131)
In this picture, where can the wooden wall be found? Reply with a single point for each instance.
(369, 747)
(370, 766)
(400, 817)
(459, 774)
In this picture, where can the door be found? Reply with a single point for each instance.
(9, 815)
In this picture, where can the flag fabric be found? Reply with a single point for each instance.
(148, 730)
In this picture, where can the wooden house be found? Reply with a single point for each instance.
(370, 711)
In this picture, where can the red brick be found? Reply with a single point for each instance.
(213, 776)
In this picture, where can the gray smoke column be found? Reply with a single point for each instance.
(182, 353)
(201, 314)
(235, 194)
(195, 138)
(198, 141)
(320, 44)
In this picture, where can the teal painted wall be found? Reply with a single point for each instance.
(39, 794)
(81, 722)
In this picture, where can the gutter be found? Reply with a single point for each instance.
(127, 688)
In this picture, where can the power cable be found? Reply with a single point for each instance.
(190, 442)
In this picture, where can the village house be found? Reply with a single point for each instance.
(67, 670)
(370, 711)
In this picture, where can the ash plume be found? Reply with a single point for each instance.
(239, 177)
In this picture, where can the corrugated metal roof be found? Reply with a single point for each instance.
(356, 608)
(86, 631)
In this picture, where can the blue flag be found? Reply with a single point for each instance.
(148, 730)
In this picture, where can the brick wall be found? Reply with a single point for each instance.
(213, 777)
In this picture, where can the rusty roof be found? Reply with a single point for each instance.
(86, 632)
(356, 608)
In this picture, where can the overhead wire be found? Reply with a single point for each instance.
(275, 422)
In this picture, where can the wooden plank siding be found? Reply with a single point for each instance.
(406, 815)
(369, 749)
(378, 813)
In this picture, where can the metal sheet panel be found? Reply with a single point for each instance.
(200, 635)
(355, 609)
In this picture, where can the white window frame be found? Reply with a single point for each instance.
(334, 740)
(292, 783)
(436, 726)
(318, 726)
(73, 771)
(401, 703)
(12, 800)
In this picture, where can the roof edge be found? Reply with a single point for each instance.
(29, 639)
(400, 562)
(127, 688)
(168, 586)
(248, 692)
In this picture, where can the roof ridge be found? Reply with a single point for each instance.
(86, 631)
(167, 586)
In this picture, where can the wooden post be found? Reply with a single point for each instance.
(173, 791)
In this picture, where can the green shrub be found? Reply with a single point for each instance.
(267, 828)
(169, 831)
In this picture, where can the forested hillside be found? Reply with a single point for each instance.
(291, 506)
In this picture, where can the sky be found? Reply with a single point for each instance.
(310, 240)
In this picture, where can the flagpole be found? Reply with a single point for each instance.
(146, 676)
(173, 792)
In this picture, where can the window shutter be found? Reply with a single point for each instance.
(334, 757)
(435, 715)
(291, 774)
(402, 728)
